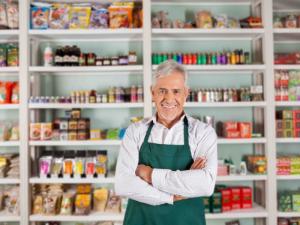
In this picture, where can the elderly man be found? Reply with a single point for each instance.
(168, 162)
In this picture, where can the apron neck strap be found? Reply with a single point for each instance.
(185, 131)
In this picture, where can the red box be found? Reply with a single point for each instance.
(236, 197)
(296, 115)
(296, 124)
(232, 134)
(245, 129)
(230, 126)
(297, 133)
(226, 199)
(246, 197)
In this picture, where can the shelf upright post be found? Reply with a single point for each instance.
(268, 45)
(23, 111)
(147, 69)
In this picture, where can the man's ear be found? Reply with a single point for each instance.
(152, 91)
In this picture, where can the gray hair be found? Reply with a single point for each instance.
(167, 68)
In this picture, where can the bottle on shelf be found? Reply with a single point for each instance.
(48, 56)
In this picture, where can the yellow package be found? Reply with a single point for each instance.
(82, 204)
(100, 199)
(120, 17)
(80, 17)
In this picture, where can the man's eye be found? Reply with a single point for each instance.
(162, 91)
(176, 92)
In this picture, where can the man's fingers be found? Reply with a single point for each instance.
(199, 163)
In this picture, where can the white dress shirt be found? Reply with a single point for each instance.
(167, 183)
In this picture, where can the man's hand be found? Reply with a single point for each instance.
(199, 163)
(144, 172)
(178, 198)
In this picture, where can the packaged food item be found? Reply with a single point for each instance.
(232, 23)
(45, 165)
(15, 93)
(40, 15)
(83, 189)
(59, 16)
(290, 21)
(63, 124)
(120, 16)
(3, 17)
(63, 135)
(11, 201)
(68, 166)
(79, 164)
(46, 131)
(12, 55)
(245, 129)
(221, 21)
(12, 15)
(83, 124)
(99, 17)
(76, 113)
(95, 134)
(113, 134)
(82, 204)
(90, 164)
(82, 135)
(204, 19)
(101, 163)
(80, 16)
(35, 131)
(66, 204)
(4, 132)
(57, 164)
(72, 135)
(3, 59)
(113, 204)
(51, 204)
(14, 133)
(37, 204)
(100, 197)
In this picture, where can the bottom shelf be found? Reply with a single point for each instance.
(256, 212)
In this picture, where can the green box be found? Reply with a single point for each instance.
(216, 206)
(296, 202)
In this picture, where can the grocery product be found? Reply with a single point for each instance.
(59, 16)
(80, 15)
(12, 9)
(40, 15)
(99, 17)
(121, 15)
(100, 198)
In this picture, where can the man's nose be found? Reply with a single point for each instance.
(169, 96)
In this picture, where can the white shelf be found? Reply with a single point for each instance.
(201, 2)
(9, 70)
(76, 143)
(242, 178)
(7, 217)
(287, 67)
(9, 34)
(99, 34)
(288, 214)
(207, 33)
(9, 144)
(111, 180)
(288, 177)
(258, 67)
(242, 140)
(9, 106)
(85, 69)
(256, 212)
(288, 140)
(88, 218)
(286, 30)
(287, 103)
(225, 104)
(118, 142)
(9, 180)
(86, 106)
(99, 180)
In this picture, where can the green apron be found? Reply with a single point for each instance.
(174, 157)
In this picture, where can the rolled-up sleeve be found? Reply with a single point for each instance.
(127, 183)
(192, 183)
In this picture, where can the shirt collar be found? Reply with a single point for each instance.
(153, 118)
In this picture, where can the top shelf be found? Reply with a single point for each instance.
(237, 33)
(286, 5)
(202, 2)
(103, 34)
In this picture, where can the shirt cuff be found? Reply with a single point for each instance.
(167, 198)
(158, 177)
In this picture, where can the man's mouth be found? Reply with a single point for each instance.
(168, 106)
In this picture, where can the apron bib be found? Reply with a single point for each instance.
(174, 157)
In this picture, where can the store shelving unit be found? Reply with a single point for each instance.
(265, 214)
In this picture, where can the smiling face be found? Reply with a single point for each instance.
(169, 95)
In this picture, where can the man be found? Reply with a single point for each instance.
(167, 163)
